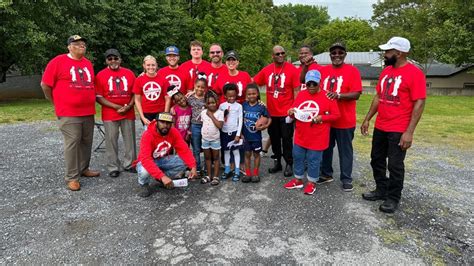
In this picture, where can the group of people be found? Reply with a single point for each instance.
(215, 108)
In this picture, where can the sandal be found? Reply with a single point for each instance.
(236, 178)
(215, 181)
(205, 179)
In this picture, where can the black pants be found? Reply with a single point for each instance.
(281, 136)
(385, 145)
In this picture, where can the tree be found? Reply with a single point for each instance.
(357, 34)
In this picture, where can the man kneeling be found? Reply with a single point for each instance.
(154, 159)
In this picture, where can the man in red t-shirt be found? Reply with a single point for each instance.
(68, 82)
(114, 90)
(217, 67)
(399, 102)
(342, 83)
(154, 159)
(282, 84)
(173, 72)
(305, 55)
(196, 64)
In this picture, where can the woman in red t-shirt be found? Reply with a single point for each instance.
(150, 90)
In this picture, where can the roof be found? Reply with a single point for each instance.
(353, 58)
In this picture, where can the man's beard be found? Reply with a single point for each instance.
(163, 131)
(390, 61)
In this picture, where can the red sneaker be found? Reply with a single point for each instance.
(294, 183)
(310, 188)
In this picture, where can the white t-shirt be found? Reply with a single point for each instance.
(209, 131)
(234, 119)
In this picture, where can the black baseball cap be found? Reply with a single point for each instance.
(112, 51)
(232, 54)
(75, 38)
(337, 45)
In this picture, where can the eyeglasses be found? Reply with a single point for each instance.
(215, 52)
(279, 54)
(78, 44)
(112, 58)
(338, 53)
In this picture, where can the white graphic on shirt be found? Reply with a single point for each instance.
(174, 80)
(191, 71)
(306, 111)
(152, 90)
(398, 81)
(162, 149)
(89, 78)
(209, 80)
(382, 83)
(240, 87)
(270, 79)
(111, 83)
(278, 79)
(125, 83)
(331, 82)
(73, 74)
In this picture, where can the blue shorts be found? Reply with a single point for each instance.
(211, 144)
(253, 145)
(226, 138)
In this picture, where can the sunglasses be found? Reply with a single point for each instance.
(215, 52)
(338, 53)
(279, 54)
(112, 58)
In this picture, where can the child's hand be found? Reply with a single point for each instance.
(237, 139)
(291, 111)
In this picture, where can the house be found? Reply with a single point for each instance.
(441, 79)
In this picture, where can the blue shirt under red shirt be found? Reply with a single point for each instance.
(251, 115)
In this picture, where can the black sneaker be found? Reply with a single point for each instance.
(347, 187)
(388, 206)
(277, 167)
(246, 179)
(288, 170)
(324, 179)
(145, 191)
(255, 179)
(374, 195)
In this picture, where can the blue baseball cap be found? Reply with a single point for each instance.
(171, 50)
(313, 75)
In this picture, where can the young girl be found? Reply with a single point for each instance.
(212, 121)
(197, 103)
(149, 90)
(253, 110)
(181, 112)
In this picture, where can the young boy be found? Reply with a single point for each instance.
(231, 131)
(253, 132)
(313, 112)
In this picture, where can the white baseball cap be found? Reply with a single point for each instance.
(397, 43)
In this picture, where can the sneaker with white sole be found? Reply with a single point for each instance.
(294, 183)
(310, 188)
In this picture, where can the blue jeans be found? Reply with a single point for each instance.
(311, 158)
(343, 138)
(171, 165)
(196, 143)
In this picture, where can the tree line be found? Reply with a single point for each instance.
(33, 32)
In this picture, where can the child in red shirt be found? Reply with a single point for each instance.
(313, 112)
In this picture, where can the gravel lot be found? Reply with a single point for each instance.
(106, 223)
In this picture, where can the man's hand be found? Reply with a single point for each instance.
(405, 141)
(308, 60)
(193, 173)
(167, 182)
(291, 111)
(364, 128)
(123, 110)
(332, 95)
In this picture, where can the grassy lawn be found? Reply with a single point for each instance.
(446, 119)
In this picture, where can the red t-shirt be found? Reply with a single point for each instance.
(342, 80)
(191, 70)
(176, 77)
(312, 66)
(213, 76)
(72, 83)
(153, 146)
(398, 89)
(241, 79)
(115, 87)
(152, 91)
(280, 97)
(307, 134)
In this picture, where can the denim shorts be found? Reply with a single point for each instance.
(211, 144)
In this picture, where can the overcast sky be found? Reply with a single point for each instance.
(338, 8)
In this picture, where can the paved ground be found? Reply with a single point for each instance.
(42, 222)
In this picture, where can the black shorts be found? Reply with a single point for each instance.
(253, 145)
(226, 138)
